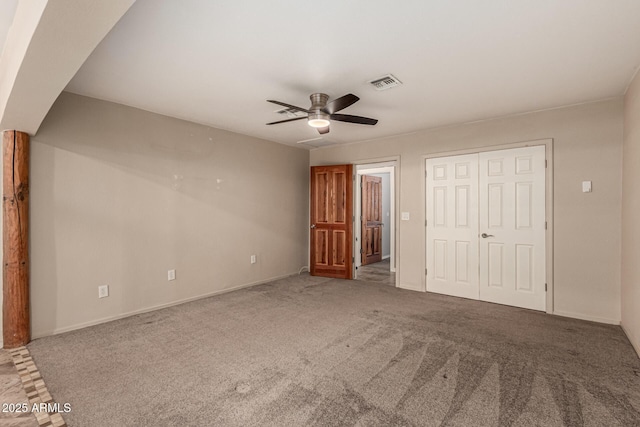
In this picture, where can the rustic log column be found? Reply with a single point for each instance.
(15, 239)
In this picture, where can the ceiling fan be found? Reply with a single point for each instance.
(320, 113)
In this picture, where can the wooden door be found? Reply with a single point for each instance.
(512, 227)
(452, 225)
(371, 219)
(332, 221)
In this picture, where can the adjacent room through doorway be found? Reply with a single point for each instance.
(374, 239)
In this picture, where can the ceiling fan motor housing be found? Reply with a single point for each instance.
(317, 117)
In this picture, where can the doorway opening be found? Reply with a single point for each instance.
(375, 223)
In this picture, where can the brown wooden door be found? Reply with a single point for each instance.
(371, 219)
(332, 221)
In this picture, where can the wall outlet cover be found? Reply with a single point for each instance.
(103, 291)
(171, 275)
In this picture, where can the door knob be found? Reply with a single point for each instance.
(485, 235)
(313, 226)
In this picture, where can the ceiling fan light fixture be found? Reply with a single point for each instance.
(318, 120)
(318, 123)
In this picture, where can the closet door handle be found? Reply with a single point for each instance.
(485, 235)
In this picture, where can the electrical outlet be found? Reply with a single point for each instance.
(171, 275)
(103, 291)
(253, 259)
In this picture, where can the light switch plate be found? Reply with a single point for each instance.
(406, 216)
(586, 186)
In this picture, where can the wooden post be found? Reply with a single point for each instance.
(15, 239)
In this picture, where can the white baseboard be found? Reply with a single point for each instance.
(386, 256)
(153, 308)
(587, 317)
(409, 287)
(634, 343)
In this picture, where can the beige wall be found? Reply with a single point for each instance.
(119, 196)
(631, 215)
(587, 146)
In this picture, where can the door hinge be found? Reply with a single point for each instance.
(426, 173)
(354, 218)
(361, 250)
(425, 222)
(545, 287)
(353, 260)
(545, 225)
(425, 271)
(545, 163)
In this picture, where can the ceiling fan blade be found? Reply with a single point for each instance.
(354, 119)
(293, 107)
(340, 103)
(288, 120)
(323, 130)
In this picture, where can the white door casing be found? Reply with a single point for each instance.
(498, 194)
(452, 225)
(512, 212)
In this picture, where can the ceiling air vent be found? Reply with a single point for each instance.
(386, 82)
(316, 142)
(290, 113)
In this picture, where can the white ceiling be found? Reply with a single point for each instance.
(216, 62)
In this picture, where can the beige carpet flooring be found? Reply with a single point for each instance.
(307, 351)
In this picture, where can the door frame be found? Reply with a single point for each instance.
(392, 162)
(548, 144)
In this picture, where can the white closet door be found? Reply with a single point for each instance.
(452, 225)
(512, 227)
